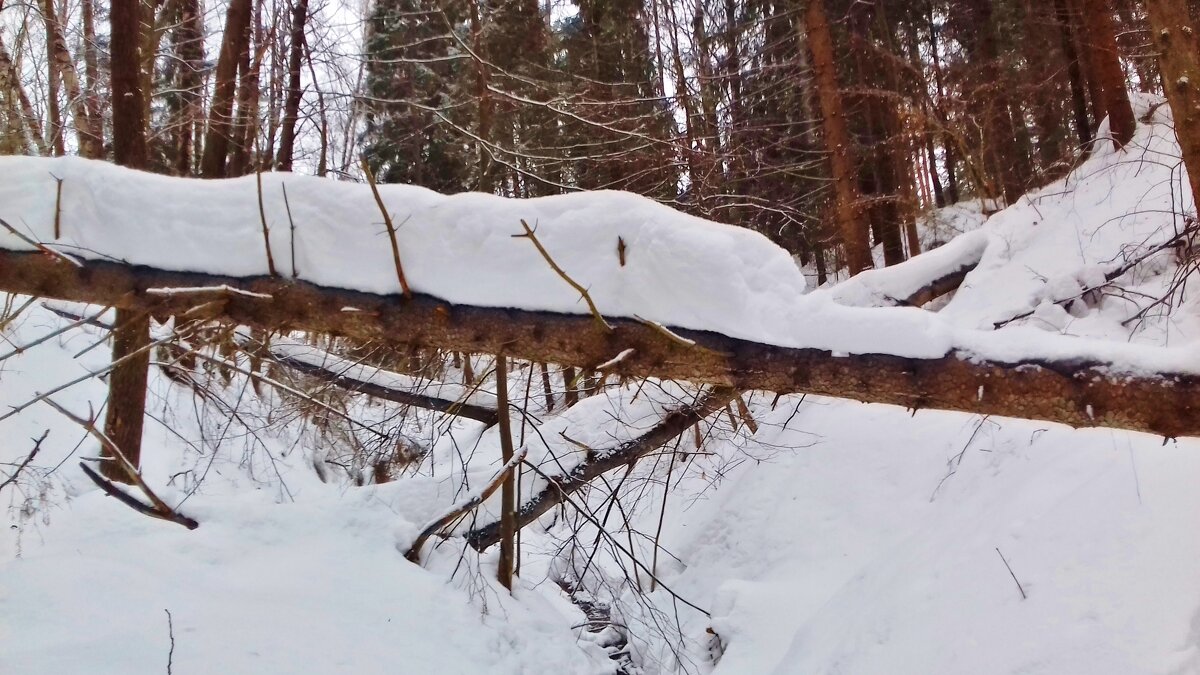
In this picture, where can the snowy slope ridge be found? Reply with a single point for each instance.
(680, 271)
(1069, 234)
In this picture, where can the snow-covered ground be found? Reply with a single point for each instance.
(835, 538)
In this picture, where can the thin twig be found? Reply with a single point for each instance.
(1112, 276)
(262, 215)
(17, 409)
(38, 245)
(171, 634)
(1014, 576)
(37, 447)
(57, 207)
(554, 266)
(391, 228)
(292, 224)
(21, 348)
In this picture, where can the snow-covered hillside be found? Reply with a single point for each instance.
(823, 537)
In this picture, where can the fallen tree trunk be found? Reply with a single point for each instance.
(1072, 391)
(919, 279)
(558, 487)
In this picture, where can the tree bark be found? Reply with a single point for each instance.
(220, 117)
(1072, 391)
(244, 156)
(54, 121)
(127, 384)
(10, 80)
(847, 200)
(1074, 73)
(291, 106)
(91, 70)
(1102, 42)
(131, 335)
(1179, 61)
(63, 66)
(189, 45)
(508, 491)
(1003, 155)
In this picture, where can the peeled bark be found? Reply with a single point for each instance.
(1070, 391)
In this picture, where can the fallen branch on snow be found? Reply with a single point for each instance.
(558, 488)
(459, 510)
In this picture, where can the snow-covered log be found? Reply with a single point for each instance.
(1058, 379)
(917, 280)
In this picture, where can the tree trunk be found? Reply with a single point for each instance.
(1003, 155)
(1179, 61)
(190, 50)
(54, 120)
(220, 116)
(131, 336)
(1110, 77)
(1074, 73)
(11, 77)
(91, 70)
(291, 107)
(1074, 391)
(62, 66)
(847, 200)
(242, 159)
(508, 491)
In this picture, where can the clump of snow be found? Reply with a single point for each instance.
(893, 285)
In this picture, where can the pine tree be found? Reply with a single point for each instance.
(416, 127)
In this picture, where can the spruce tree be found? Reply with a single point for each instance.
(416, 118)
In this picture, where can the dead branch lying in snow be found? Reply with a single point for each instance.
(602, 461)
(1068, 390)
(357, 378)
